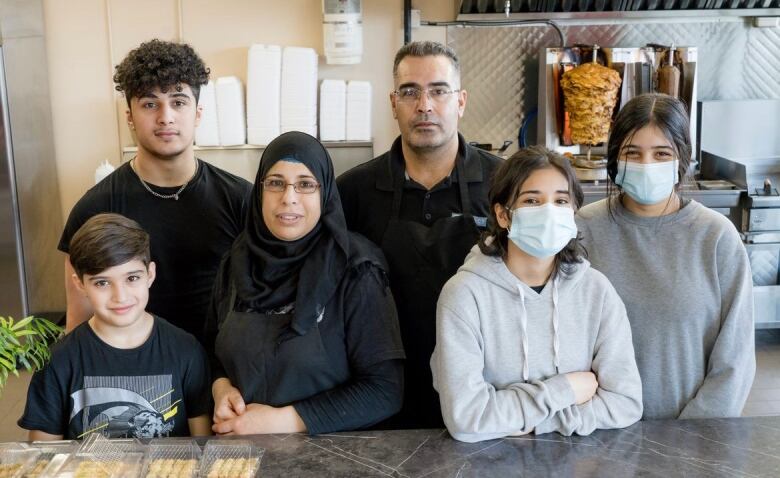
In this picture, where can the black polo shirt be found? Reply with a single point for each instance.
(367, 191)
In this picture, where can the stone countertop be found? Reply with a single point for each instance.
(735, 447)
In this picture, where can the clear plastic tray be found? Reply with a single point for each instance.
(52, 455)
(16, 459)
(172, 458)
(100, 445)
(87, 465)
(230, 459)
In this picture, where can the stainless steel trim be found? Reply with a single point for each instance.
(15, 301)
(612, 17)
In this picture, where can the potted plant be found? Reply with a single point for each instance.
(26, 343)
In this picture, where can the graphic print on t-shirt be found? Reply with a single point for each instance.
(126, 407)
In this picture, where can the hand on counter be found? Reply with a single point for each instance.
(259, 419)
(228, 402)
(584, 385)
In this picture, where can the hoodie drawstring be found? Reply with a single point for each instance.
(555, 324)
(524, 328)
(524, 335)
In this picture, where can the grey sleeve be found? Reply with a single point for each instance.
(618, 399)
(731, 365)
(472, 408)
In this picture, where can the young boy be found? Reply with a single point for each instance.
(124, 372)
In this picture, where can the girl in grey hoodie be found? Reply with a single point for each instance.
(528, 336)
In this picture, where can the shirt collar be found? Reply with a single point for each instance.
(394, 161)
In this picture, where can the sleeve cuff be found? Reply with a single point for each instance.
(548, 426)
(560, 392)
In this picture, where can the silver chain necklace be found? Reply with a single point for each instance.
(174, 196)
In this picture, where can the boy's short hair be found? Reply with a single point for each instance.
(160, 64)
(107, 240)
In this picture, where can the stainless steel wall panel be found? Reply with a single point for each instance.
(12, 283)
(21, 18)
(37, 189)
(500, 64)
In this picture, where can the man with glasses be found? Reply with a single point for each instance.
(424, 203)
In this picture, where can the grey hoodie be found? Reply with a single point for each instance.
(494, 364)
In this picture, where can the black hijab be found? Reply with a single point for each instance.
(270, 273)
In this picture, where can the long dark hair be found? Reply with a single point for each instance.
(505, 188)
(663, 111)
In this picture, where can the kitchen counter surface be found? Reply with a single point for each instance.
(737, 447)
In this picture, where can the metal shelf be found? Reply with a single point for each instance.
(607, 17)
(256, 147)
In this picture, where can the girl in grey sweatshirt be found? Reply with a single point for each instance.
(509, 353)
(680, 268)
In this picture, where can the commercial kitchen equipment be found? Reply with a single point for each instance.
(741, 144)
(638, 68)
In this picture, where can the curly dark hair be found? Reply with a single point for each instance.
(505, 188)
(160, 64)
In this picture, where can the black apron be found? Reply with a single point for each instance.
(269, 362)
(421, 260)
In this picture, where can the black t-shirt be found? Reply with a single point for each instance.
(188, 236)
(367, 192)
(345, 373)
(145, 392)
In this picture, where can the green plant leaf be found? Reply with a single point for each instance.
(22, 323)
(22, 333)
(5, 363)
(23, 360)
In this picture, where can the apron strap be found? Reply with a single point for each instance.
(463, 187)
(398, 190)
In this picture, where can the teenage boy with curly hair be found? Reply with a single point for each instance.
(191, 209)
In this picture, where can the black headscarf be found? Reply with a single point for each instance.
(270, 273)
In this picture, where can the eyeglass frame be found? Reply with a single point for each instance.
(427, 90)
(295, 185)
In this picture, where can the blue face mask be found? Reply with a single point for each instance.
(647, 183)
(542, 231)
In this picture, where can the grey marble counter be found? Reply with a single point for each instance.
(739, 447)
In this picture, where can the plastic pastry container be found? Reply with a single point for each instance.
(100, 457)
(172, 458)
(87, 465)
(15, 460)
(230, 459)
(52, 455)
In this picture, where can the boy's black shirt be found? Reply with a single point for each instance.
(188, 236)
(145, 392)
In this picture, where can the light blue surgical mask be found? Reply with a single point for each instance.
(647, 183)
(542, 231)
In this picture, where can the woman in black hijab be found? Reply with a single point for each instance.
(303, 326)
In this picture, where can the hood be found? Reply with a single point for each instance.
(495, 271)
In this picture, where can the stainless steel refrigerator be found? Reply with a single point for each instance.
(31, 268)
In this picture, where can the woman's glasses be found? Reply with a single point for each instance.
(279, 186)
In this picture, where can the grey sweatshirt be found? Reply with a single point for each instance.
(686, 282)
(494, 364)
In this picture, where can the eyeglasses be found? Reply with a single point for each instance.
(280, 186)
(412, 94)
